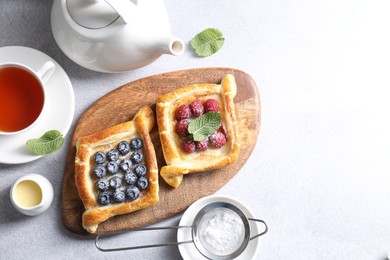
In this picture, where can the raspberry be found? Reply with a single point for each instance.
(202, 145)
(211, 105)
(221, 129)
(218, 139)
(188, 146)
(196, 108)
(182, 127)
(182, 112)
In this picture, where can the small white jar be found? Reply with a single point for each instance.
(31, 194)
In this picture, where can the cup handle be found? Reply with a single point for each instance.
(46, 71)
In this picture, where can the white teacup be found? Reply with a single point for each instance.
(23, 98)
(32, 194)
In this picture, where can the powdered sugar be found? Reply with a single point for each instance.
(221, 231)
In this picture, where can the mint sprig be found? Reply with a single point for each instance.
(49, 142)
(208, 42)
(205, 125)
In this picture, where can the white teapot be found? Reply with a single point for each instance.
(113, 35)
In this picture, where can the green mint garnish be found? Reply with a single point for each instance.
(207, 42)
(49, 142)
(205, 125)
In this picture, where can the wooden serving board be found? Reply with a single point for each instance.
(121, 104)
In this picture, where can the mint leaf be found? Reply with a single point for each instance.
(205, 125)
(49, 142)
(207, 42)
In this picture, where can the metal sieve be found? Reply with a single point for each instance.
(195, 233)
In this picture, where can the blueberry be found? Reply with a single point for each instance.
(104, 198)
(102, 185)
(132, 192)
(142, 183)
(126, 165)
(119, 196)
(124, 147)
(113, 155)
(99, 157)
(137, 157)
(140, 170)
(115, 182)
(99, 171)
(112, 167)
(130, 177)
(136, 144)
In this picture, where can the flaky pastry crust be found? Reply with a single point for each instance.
(180, 163)
(104, 140)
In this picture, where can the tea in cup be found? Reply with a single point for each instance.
(22, 95)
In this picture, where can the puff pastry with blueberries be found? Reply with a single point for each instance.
(175, 113)
(116, 170)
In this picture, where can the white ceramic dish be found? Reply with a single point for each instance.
(60, 105)
(189, 251)
(46, 192)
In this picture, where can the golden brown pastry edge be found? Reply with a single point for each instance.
(174, 171)
(94, 214)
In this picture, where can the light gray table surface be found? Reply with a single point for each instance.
(320, 171)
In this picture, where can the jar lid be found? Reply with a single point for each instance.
(92, 14)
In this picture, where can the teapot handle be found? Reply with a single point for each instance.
(125, 8)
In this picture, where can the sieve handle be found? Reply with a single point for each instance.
(103, 249)
(262, 233)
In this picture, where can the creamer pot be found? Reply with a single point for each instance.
(32, 194)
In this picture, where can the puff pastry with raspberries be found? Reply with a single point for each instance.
(116, 170)
(175, 112)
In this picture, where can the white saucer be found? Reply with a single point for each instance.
(58, 114)
(189, 251)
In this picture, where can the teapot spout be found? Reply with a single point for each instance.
(173, 46)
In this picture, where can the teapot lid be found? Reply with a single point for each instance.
(92, 14)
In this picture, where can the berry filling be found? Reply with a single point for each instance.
(197, 108)
(202, 145)
(183, 112)
(124, 147)
(120, 173)
(211, 105)
(187, 112)
(136, 144)
(188, 146)
(182, 127)
(218, 139)
(132, 192)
